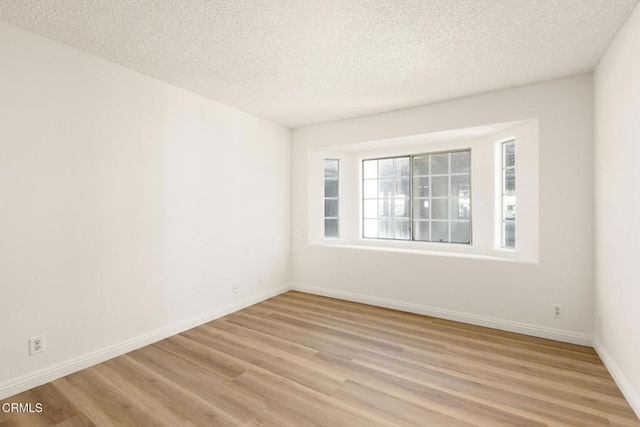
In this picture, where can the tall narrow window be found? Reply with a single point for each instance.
(386, 201)
(509, 194)
(331, 198)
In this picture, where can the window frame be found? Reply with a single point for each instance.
(503, 193)
(362, 199)
(325, 198)
(411, 156)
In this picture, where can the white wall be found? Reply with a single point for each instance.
(617, 208)
(126, 206)
(510, 295)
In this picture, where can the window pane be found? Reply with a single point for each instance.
(370, 228)
(386, 230)
(385, 188)
(370, 189)
(509, 194)
(460, 162)
(401, 208)
(509, 206)
(330, 188)
(460, 186)
(440, 208)
(401, 229)
(421, 165)
(331, 169)
(330, 228)
(509, 180)
(385, 206)
(385, 168)
(393, 199)
(510, 154)
(330, 208)
(331, 175)
(440, 186)
(370, 169)
(509, 234)
(460, 232)
(439, 231)
(421, 208)
(421, 230)
(402, 166)
(402, 187)
(460, 208)
(370, 208)
(421, 187)
(439, 163)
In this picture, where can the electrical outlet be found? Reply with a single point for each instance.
(557, 310)
(235, 288)
(36, 345)
(260, 281)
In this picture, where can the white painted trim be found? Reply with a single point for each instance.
(418, 248)
(623, 384)
(42, 376)
(490, 322)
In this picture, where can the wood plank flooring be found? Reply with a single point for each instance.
(305, 360)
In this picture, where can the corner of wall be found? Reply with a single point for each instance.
(632, 396)
(50, 373)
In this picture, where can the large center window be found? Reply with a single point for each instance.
(421, 197)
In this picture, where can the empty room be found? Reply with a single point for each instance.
(319, 213)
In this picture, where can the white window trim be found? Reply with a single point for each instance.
(486, 212)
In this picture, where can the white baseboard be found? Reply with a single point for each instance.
(490, 322)
(42, 376)
(624, 385)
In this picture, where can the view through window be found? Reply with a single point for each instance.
(422, 197)
(331, 198)
(509, 194)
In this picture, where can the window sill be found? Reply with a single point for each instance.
(431, 249)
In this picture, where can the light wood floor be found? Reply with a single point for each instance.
(304, 360)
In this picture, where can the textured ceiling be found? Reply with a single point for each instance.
(299, 62)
